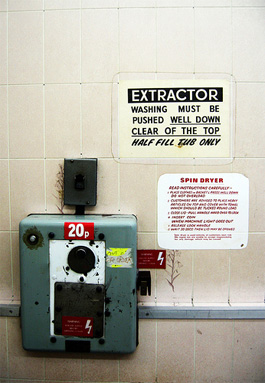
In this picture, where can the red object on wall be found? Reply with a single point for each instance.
(151, 259)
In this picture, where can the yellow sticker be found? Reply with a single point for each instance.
(119, 257)
(116, 252)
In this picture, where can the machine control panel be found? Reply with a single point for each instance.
(78, 283)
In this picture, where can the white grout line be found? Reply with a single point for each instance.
(44, 109)
(44, 133)
(233, 352)
(7, 350)
(192, 276)
(194, 38)
(118, 369)
(81, 108)
(8, 163)
(229, 277)
(119, 67)
(156, 352)
(9, 191)
(194, 352)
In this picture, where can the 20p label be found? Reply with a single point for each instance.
(79, 230)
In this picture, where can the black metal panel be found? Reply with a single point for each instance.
(79, 300)
(80, 181)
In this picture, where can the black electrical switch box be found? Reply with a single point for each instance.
(80, 181)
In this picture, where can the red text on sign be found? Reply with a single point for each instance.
(77, 326)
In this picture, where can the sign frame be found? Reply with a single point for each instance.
(200, 211)
(186, 155)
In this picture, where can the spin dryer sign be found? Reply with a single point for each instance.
(171, 119)
(203, 211)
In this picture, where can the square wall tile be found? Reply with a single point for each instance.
(27, 189)
(62, 120)
(213, 351)
(136, 3)
(100, 54)
(22, 364)
(100, 3)
(25, 5)
(62, 46)
(63, 368)
(211, 276)
(247, 3)
(248, 37)
(96, 120)
(250, 118)
(103, 368)
(254, 169)
(175, 3)
(4, 196)
(3, 48)
(174, 285)
(25, 49)
(175, 351)
(175, 40)
(141, 365)
(15, 265)
(249, 351)
(146, 241)
(26, 134)
(210, 3)
(3, 5)
(210, 168)
(3, 342)
(134, 179)
(173, 169)
(3, 122)
(213, 44)
(247, 272)
(62, 4)
(137, 40)
(5, 272)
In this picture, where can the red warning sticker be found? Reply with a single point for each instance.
(151, 259)
(77, 326)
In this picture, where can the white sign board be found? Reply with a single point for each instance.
(174, 119)
(203, 211)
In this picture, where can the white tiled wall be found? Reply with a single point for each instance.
(58, 59)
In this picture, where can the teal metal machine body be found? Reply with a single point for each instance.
(78, 283)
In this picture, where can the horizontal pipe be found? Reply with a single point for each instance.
(10, 310)
(170, 312)
(199, 312)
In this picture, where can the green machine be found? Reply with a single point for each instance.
(78, 283)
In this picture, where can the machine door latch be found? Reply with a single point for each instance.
(144, 282)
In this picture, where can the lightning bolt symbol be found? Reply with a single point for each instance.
(88, 326)
(160, 257)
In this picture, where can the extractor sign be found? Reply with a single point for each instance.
(171, 119)
(203, 211)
